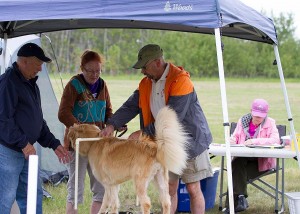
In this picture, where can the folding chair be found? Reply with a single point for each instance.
(272, 191)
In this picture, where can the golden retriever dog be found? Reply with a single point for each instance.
(114, 160)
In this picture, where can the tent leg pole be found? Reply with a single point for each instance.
(3, 65)
(225, 117)
(286, 100)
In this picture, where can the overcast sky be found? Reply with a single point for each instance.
(277, 7)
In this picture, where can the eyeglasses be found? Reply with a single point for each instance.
(92, 72)
(148, 63)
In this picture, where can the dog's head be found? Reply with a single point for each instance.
(82, 131)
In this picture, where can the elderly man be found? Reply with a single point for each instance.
(21, 125)
(167, 84)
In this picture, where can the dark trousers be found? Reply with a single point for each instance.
(243, 169)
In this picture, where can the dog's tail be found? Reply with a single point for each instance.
(172, 140)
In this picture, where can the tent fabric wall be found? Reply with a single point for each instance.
(21, 17)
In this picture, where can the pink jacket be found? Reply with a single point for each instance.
(268, 134)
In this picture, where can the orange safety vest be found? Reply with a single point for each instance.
(178, 83)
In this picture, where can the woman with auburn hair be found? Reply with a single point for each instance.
(85, 99)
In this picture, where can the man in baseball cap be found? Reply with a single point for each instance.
(21, 118)
(32, 49)
(167, 84)
(146, 54)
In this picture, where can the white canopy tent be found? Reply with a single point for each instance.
(227, 17)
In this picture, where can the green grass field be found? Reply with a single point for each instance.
(240, 93)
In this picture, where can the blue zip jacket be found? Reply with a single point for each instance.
(21, 116)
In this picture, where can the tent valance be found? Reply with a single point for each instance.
(22, 17)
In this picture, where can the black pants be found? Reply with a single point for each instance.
(243, 169)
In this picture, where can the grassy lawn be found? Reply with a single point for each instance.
(240, 94)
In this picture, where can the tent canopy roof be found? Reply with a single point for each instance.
(22, 17)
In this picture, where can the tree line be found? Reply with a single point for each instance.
(195, 52)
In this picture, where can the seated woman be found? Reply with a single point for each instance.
(254, 128)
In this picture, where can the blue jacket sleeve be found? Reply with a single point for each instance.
(11, 133)
(47, 139)
(128, 111)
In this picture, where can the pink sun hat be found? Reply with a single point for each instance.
(259, 108)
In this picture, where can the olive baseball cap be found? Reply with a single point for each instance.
(147, 53)
(32, 49)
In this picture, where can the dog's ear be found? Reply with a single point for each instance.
(72, 135)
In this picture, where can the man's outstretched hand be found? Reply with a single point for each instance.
(62, 154)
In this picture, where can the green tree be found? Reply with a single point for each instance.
(195, 52)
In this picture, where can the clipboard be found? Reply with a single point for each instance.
(272, 146)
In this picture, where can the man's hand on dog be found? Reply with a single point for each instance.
(107, 131)
(62, 154)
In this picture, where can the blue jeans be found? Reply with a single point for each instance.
(14, 180)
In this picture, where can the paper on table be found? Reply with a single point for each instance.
(237, 145)
(272, 146)
(231, 145)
